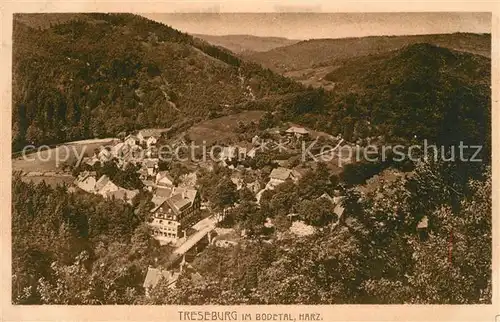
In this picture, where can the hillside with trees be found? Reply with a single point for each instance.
(84, 250)
(95, 75)
(418, 92)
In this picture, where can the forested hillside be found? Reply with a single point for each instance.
(93, 75)
(418, 92)
(82, 249)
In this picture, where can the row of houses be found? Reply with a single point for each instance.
(147, 137)
(134, 147)
(87, 181)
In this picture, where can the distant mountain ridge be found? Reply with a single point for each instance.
(247, 43)
(324, 52)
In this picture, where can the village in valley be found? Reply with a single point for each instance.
(178, 215)
(154, 164)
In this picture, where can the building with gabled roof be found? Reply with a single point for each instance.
(171, 206)
(163, 178)
(283, 174)
(104, 185)
(297, 131)
(131, 140)
(149, 136)
(155, 275)
(86, 181)
(122, 194)
(104, 154)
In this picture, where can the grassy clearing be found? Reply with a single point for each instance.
(222, 128)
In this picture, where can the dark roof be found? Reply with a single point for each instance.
(163, 192)
(122, 194)
(149, 163)
(154, 276)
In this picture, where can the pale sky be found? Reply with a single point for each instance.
(324, 25)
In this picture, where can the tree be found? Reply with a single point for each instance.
(315, 212)
(224, 195)
(34, 134)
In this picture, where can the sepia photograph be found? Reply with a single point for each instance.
(280, 158)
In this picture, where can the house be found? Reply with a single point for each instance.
(338, 209)
(149, 137)
(143, 174)
(158, 200)
(226, 237)
(119, 150)
(131, 140)
(422, 228)
(163, 191)
(296, 131)
(327, 197)
(163, 178)
(86, 181)
(252, 153)
(171, 206)
(122, 194)
(104, 185)
(148, 185)
(155, 275)
(151, 166)
(91, 161)
(104, 154)
(166, 231)
(280, 175)
(283, 174)
(268, 223)
(224, 243)
(254, 187)
(152, 152)
(179, 202)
